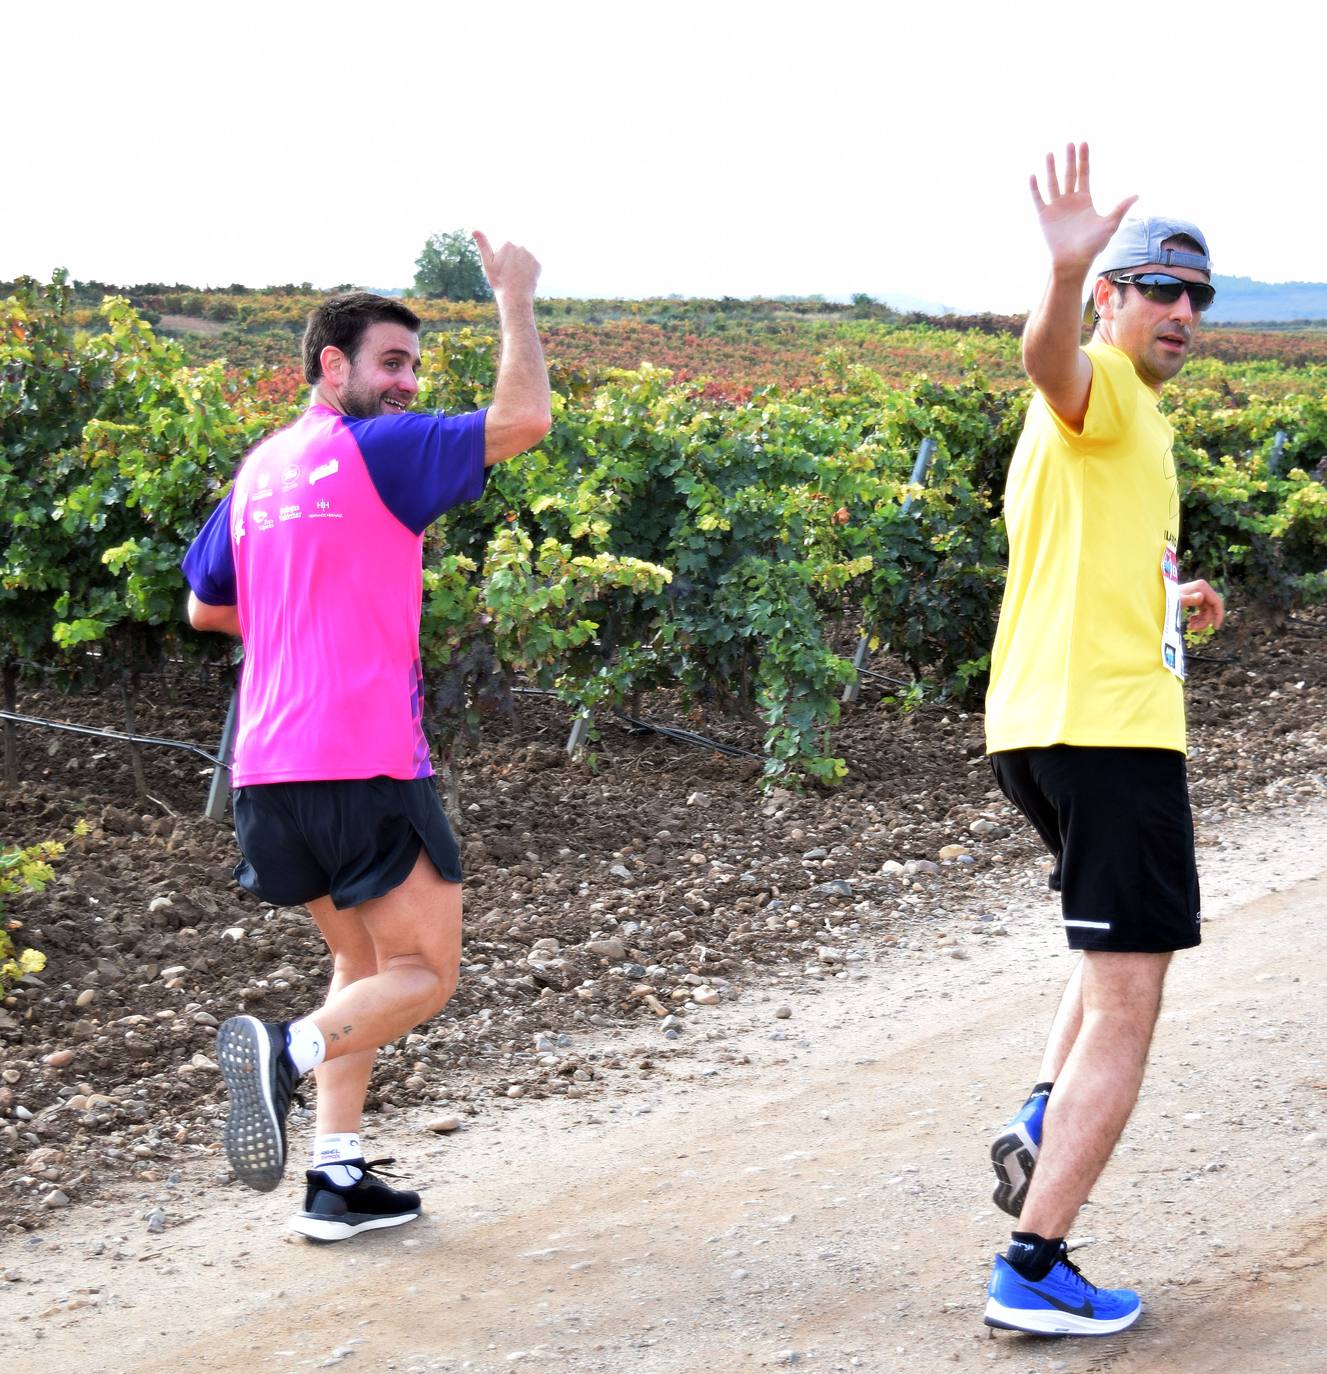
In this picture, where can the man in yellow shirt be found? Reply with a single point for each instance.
(1085, 713)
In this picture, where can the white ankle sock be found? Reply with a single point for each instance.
(304, 1044)
(343, 1175)
(339, 1158)
(336, 1149)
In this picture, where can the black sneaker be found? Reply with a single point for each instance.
(334, 1211)
(260, 1079)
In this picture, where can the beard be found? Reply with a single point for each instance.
(1165, 365)
(364, 402)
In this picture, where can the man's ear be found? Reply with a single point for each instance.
(335, 364)
(1103, 297)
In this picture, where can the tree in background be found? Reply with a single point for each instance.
(449, 266)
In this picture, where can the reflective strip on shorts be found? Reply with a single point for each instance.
(1089, 925)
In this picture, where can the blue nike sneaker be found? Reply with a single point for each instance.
(1064, 1303)
(1014, 1153)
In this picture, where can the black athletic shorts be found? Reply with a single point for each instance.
(1119, 825)
(355, 839)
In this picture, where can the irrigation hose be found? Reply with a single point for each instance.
(115, 735)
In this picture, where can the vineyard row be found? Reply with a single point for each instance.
(657, 538)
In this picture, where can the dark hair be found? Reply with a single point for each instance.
(340, 322)
(1174, 241)
(1184, 241)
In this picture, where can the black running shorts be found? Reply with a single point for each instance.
(354, 839)
(1119, 825)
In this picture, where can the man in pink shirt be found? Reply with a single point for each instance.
(315, 559)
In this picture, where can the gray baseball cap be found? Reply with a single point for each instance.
(1137, 243)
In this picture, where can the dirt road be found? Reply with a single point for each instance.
(807, 1191)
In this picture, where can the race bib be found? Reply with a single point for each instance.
(1172, 627)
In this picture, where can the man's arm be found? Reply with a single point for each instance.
(1075, 234)
(519, 415)
(223, 619)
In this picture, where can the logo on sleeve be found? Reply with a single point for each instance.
(289, 476)
(327, 469)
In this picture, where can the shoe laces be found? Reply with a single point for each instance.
(1077, 1272)
(372, 1166)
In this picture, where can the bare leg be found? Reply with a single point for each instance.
(1097, 1086)
(415, 931)
(1064, 1029)
(343, 1082)
(415, 934)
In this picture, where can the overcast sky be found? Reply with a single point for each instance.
(701, 149)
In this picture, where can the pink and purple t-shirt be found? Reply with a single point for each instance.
(320, 545)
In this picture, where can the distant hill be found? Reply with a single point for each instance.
(900, 301)
(1241, 300)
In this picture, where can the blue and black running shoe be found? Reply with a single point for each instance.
(1064, 1303)
(1014, 1153)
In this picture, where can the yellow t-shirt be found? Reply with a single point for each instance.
(1078, 653)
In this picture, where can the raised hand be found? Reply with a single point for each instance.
(1074, 231)
(511, 271)
(520, 413)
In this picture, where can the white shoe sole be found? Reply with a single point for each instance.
(1039, 1321)
(254, 1139)
(321, 1229)
(1013, 1157)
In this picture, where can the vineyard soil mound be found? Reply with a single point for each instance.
(609, 908)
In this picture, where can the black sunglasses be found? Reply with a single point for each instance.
(1162, 288)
